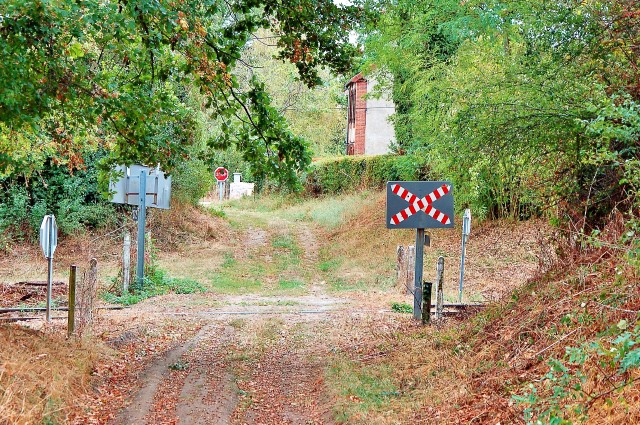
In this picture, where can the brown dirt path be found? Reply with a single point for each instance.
(261, 358)
(247, 366)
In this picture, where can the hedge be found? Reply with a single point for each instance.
(350, 173)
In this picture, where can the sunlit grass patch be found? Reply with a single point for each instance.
(286, 242)
(361, 388)
(290, 284)
(226, 284)
(330, 264)
(229, 260)
(328, 212)
(264, 303)
(341, 284)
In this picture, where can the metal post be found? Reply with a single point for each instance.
(71, 316)
(417, 294)
(466, 230)
(49, 286)
(142, 218)
(126, 262)
(439, 286)
(464, 243)
(50, 273)
(426, 303)
(221, 190)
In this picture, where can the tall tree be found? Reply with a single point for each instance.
(116, 73)
(525, 104)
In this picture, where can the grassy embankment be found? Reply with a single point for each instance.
(560, 348)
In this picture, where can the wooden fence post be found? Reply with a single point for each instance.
(71, 316)
(439, 285)
(426, 302)
(126, 262)
(401, 269)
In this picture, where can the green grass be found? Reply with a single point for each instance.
(227, 284)
(328, 212)
(290, 284)
(285, 303)
(362, 388)
(157, 282)
(401, 307)
(215, 212)
(330, 265)
(229, 260)
(340, 284)
(286, 242)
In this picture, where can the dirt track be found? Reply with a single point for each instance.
(250, 363)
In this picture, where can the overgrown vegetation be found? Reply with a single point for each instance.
(347, 174)
(74, 198)
(41, 376)
(158, 283)
(122, 76)
(561, 349)
(529, 107)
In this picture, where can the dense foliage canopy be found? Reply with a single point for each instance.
(118, 74)
(526, 105)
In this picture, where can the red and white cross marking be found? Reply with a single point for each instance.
(420, 204)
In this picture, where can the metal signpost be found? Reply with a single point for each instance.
(48, 243)
(466, 230)
(142, 224)
(221, 174)
(420, 206)
(129, 189)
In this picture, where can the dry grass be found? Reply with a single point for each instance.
(500, 255)
(41, 376)
(186, 225)
(469, 371)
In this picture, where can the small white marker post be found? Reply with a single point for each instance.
(48, 243)
(126, 262)
(466, 230)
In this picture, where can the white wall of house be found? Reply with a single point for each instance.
(379, 132)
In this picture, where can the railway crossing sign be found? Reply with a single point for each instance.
(419, 205)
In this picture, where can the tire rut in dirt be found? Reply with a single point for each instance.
(183, 387)
(282, 385)
(209, 394)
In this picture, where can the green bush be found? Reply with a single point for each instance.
(74, 198)
(191, 181)
(349, 173)
(156, 282)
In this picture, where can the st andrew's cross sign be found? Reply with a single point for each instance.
(419, 205)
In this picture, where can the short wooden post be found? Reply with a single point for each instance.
(439, 285)
(426, 302)
(400, 267)
(126, 262)
(71, 316)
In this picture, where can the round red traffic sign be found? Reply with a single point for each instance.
(221, 174)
